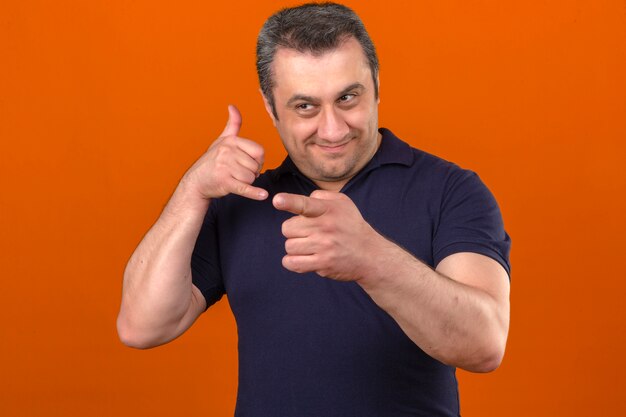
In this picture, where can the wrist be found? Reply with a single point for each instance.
(376, 253)
(187, 197)
(385, 265)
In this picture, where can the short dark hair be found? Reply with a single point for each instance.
(314, 28)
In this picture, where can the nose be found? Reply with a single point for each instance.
(332, 127)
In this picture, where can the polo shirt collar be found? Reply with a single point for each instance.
(391, 151)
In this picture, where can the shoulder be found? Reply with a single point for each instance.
(394, 150)
(463, 208)
(434, 174)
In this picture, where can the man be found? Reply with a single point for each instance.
(328, 260)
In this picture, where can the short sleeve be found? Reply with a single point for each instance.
(470, 221)
(205, 261)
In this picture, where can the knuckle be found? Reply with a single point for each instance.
(241, 188)
(221, 153)
(304, 205)
(285, 228)
(327, 225)
(249, 177)
(320, 261)
(326, 244)
(294, 264)
(289, 263)
(258, 154)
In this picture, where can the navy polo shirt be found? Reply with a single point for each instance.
(311, 346)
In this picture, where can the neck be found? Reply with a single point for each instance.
(335, 186)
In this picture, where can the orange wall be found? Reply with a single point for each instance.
(103, 105)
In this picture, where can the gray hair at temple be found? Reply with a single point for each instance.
(315, 28)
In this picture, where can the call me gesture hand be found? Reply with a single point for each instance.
(328, 235)
(159, 300)
(230, 165)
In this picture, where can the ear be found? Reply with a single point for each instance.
(378, 83)
(268, 108)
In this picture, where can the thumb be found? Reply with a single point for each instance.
(299, 204)
(234, 122)
(329, 195)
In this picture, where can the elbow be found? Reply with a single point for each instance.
(132, 341)
(492, 346)
(482, 360)
(489, 358)
(489, 363)
(132, 337)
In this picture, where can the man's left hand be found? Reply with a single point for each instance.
(328, 235)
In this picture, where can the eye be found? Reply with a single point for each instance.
(347, 101)
(306, 109)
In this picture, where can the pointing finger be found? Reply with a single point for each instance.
(299, 204)
(234, 122)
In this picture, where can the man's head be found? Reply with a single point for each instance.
(313, 28)
(319, 79)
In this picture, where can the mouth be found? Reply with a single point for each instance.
(334, 148)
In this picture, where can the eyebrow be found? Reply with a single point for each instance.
(303, 97)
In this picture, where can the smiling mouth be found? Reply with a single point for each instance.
(333, 148)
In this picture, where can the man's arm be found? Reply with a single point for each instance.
(159, 301)
(458, 314)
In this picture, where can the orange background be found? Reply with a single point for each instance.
(104, 104)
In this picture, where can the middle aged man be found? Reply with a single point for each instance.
(339, 310)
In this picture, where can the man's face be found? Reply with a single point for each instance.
(327, 112)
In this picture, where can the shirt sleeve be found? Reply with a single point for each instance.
(206, 272)
(470, 221)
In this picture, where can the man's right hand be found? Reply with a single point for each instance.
(230, 165)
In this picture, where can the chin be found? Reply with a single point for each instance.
(335, 175)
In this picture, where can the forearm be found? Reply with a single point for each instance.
(157, 291)
(453, 322)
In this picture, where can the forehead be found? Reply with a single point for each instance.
(322, 74)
